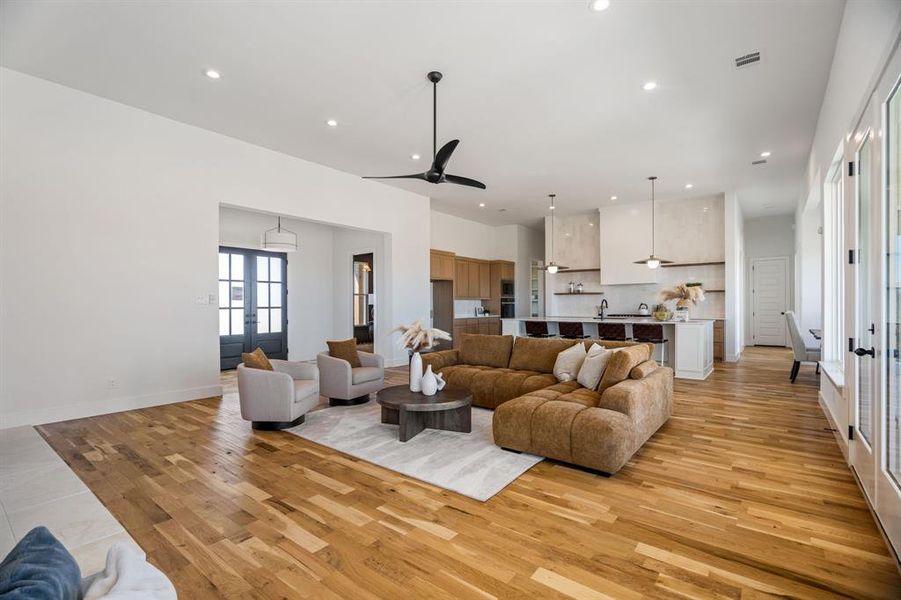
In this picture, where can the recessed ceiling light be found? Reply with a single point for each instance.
(765, 153)
(332, 123)
(414, 156)
(212, 74)
(552, 207)
(481, 205)
(590, 224)
(599, 5)
(650, 85)
(613, 197)
(688, 186)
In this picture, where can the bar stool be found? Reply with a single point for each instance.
(644, 332)
(612, 331)
(571, 331)
(537, 329)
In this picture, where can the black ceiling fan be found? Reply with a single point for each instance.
(441, 157)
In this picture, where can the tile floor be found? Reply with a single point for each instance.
(38, 488)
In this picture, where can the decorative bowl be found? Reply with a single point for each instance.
(663, 315)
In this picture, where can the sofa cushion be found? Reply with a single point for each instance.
(602, 439)
(551, 427)
(568, 363)
(487, 350)
(256, 360)
(582, 396)
(536, 354)
(492, 387)
(621, 364)
(644, 369)
(38, 568)
(345, 350)
(364, 374)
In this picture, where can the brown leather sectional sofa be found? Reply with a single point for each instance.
(598, 429)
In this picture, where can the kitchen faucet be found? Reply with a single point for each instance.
(602, 309)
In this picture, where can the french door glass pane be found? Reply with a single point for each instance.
(223, 322)
(275, 294)
(223, 295)
(893, 296)
(262, 294)
(276, 314)
(262, 268)
(237, 321)
(263, 320)
(237, 294)
(237, 267)
(275, 271)
(865, 377)
(223, 265)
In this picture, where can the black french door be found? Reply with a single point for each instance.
(253, 301)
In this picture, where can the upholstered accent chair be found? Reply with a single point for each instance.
(279, 398)
(799, 347)
(345, 385)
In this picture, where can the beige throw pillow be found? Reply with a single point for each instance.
(593, 367)
(568, 363)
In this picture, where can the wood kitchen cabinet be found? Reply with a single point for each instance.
(442, 265)
(718, 340)
(484, 280)
(473, 274)
(506, 270)
(483, 326)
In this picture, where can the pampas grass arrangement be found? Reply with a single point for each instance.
(415, 337)
(684, 294)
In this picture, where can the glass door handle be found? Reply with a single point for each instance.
(864, 352)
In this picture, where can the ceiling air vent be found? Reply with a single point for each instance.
(747, 59)
(762, 161)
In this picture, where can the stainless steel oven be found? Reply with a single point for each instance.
(508, 308)
(507, 289)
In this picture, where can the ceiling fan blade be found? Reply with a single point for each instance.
(414, 176)
(444, 155)
(464, 181)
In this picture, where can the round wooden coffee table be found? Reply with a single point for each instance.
(449, 410)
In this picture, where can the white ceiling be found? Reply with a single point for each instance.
(544, 96)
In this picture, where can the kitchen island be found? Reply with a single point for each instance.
(689, 349)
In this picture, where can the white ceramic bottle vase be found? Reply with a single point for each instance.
(429, 382)
(416, 373)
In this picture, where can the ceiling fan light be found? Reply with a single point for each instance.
(552, 268)
(653, 263)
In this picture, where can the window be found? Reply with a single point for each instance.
(834, 267)
(893, 288)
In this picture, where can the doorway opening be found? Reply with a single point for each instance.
(253, 296)
(363, 290)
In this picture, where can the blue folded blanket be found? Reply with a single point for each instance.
(39, 568)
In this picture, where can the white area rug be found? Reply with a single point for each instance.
(466, 463)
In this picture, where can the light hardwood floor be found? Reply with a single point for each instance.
(743, 494)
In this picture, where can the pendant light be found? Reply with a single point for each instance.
(279, 239)
(652, 261)
(551, 266)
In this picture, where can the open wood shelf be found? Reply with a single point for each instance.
(697, 264)
(578, 293)
(705, 291)
(592, 270)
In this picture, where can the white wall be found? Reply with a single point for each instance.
(348, 242)
(808, 299)
(311, 297)
(767, 237)
(733, 333)
(463, 237)
(118, 211)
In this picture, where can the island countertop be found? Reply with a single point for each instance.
(606, 320)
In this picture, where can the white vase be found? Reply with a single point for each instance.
(416, 373)
(429, 382)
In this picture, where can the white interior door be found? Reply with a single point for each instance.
(769, 300)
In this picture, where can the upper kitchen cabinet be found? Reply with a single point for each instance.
(472, 278)
(625, 236)
(442, 265)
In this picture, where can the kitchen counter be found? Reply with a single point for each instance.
(478, 317)
(688, 349)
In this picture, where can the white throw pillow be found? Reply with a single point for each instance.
(593, 366)
(568, 363)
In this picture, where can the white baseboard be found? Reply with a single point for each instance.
(79, 410)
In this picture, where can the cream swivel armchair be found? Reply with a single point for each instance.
(345, 385)
(801, 352)
(280, 398)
